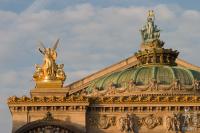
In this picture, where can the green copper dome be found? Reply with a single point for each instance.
(143, 75)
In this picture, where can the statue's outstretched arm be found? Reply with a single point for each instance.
(41, 51)
(42, 48)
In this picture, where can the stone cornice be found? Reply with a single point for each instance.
(145, 99)
(105, 100)
(106, 104)
(47, 100)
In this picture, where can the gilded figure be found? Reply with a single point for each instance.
(49, 70)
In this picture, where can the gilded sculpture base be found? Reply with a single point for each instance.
(48, 92)
(49, 84)
(49, 88)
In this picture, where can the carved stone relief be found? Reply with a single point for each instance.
(152, 121)
(102, 121)
(183, 122)
(129, 123)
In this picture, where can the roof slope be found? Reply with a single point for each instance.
(124, 64)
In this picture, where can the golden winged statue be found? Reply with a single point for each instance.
(49, 70)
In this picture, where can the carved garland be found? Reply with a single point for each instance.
(131, 87)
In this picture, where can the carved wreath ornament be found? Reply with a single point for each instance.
(151, 121)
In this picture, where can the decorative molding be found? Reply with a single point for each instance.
(144, 99)
(52, 99)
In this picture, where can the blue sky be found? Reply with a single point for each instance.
(93, 34)
(20, 5)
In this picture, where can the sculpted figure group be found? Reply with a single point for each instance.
(129, 123)
(49, 70)
(179, 122)
(132, 123)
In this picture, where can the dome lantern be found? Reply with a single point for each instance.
(152, 51)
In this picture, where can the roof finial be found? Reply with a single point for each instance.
(152, 51)
(150, 31)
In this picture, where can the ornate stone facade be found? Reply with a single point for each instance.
(150, 92)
